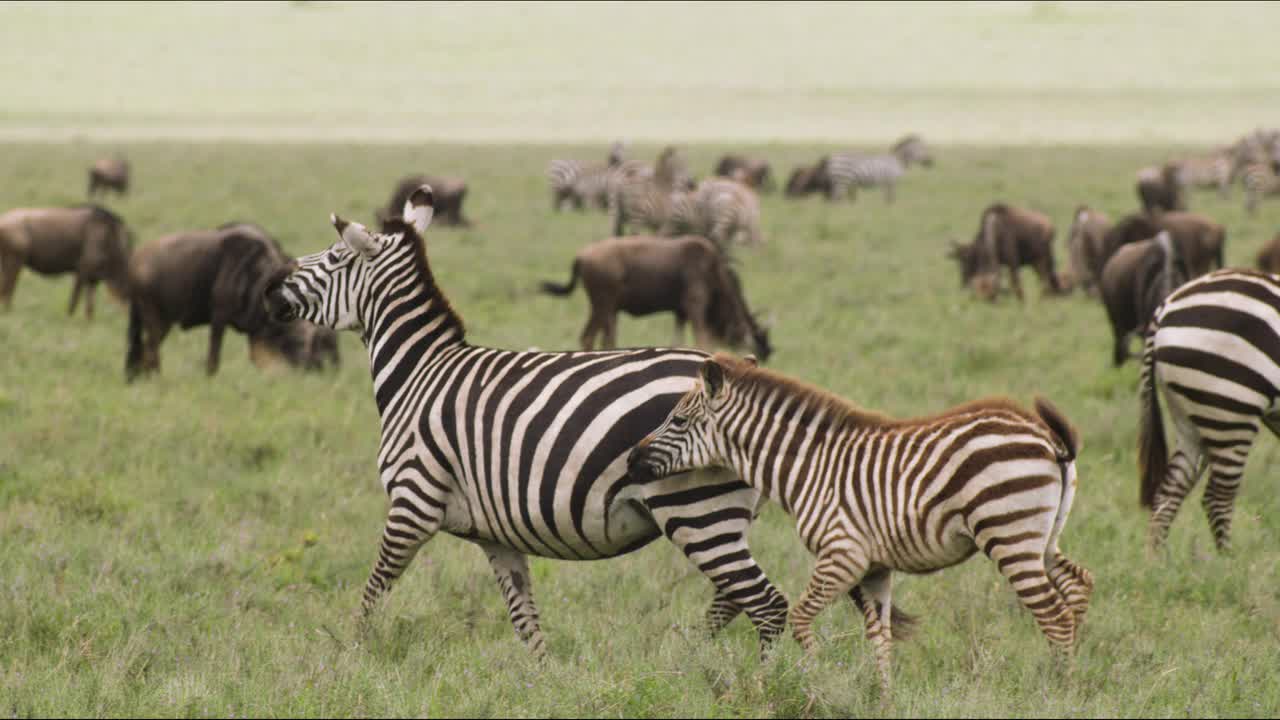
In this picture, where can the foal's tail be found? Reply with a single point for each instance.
(562, 290)
(1069, 448)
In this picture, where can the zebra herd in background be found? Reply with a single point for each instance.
(1253, 160)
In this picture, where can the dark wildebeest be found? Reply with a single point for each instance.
(752, 172)
(1129, 229)
(809, 179)
(88, 240)
(641, 275)
(1008, 237)
(109, 174)
(1137, 278)
(1159, 190)
(1200, 241)
(214, 277)
(449, 194)
(1085, 244)
(1269, 256)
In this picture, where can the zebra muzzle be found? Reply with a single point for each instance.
(638, 466)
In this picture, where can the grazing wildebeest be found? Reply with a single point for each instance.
(87, 240)
(214, 277)
(752, 172)
(641, 275)
(1137, 278)
(1085, 244)
(109, 174)
(1008, 237)
(1128, 229)
(1159, 190)
(450, 192)
(1269, 256)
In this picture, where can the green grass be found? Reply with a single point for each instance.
(993, 73)
(188, 547)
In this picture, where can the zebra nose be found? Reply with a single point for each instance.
(635, 462)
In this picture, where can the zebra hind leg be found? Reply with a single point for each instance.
(1226, 467)
(1183, 473)
(711, 530)
(511, 569)
(1074, 583)
(1024, 569)
(873, 596)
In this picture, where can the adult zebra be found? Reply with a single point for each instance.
(1214, 170)
(1213, 351)
(582, 184)
(720, 210)
(646, 197)
(1260, 181)
(847, 171)
(872, 495)
(522, 453)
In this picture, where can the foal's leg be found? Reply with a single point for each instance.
(836, 573)
(873, 596)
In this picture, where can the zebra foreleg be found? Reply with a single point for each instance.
(720, 614)
(511, 569)
(407, 529)
(834, 575)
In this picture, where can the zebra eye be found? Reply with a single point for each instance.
(679, 422)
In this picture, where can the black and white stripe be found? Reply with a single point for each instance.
(646, 197)
(1213, 171)
(1213, 352)
(721, 210)
(1260, 181)
(872, 495)
(848, 171)
(587, 184)
(522, 453)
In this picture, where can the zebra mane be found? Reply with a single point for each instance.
(397, 226)
(840, 414)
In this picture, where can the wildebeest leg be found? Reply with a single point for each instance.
(10, 266)
(75, 295)
(610, 331)
(1120, 352)
(679, 329)
(90, 286)
(156, 328)
(695, 308)
(216, 328)
(1013, 280)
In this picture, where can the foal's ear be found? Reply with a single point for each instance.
(752, 360)
(355, 236)
(712, 378)
(419, 208)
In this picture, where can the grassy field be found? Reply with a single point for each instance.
(992, 72)
(189, 546)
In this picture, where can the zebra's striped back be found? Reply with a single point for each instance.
(871, 495)
(1214, 354)
(857, 170)
(721, 210)
(1206, 171)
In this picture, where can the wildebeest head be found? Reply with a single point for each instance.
(808, 179)
(329, 288)
(732, 322)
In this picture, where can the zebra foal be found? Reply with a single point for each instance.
(521, 453)
(1213, 351)
(872, 495)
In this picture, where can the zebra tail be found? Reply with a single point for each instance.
(1153, 451)
(903, 623)
(1061, 428)
(134, 357)
(562, 290)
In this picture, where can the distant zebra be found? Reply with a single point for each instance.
(1260, 181)
(872, 495)
(1214, 170)
(583, 184)
(645, 198)
(720, 210)
(847, 171)
(1213, 350)
(522, 453)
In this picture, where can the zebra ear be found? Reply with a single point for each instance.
(355, 236)
(752, 360)
(712, 378)
(419, 208)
